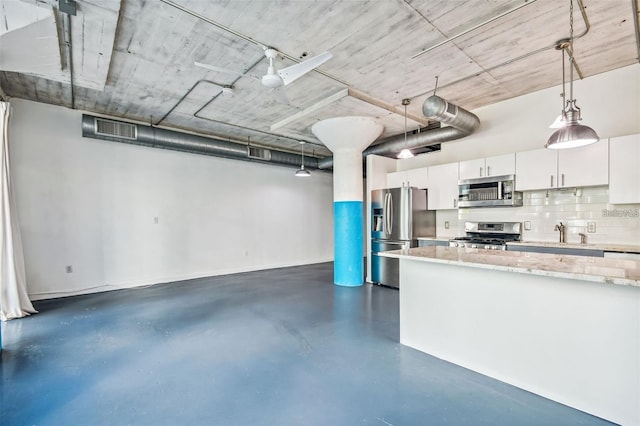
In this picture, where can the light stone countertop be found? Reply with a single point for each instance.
(586, 268)
(626, 248)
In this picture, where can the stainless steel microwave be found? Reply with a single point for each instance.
(492, 191)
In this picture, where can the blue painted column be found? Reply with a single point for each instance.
(347, 137)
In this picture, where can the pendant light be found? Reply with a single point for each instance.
(572, 134)
(302, 172)
(406, 152)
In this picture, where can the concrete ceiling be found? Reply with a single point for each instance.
(134, 59)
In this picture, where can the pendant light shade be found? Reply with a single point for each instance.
(301, 172)
(406, 152)
(570, 133)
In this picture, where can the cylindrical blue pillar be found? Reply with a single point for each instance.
(347, 137)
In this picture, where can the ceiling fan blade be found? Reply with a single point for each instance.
(217, 69)
(224, 70)
(294, 72)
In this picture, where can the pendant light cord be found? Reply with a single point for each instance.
(572, 52)
(564, 80)
(405, 102)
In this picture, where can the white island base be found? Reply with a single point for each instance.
(573, 341)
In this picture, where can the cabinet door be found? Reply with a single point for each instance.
(536, 169)
(500, 165)
(624, 169)
(396, 179)
(471, 169)
(584, 166)
(443, 187)
(418, 178)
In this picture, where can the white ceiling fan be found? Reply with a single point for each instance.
(274, 78)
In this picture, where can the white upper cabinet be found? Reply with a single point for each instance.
(536, 169)
(500, 165)
(491, 166)
(624, 169)
(418, 178)
(443, 187)
(547, 168)
(584, 166)
(470, 169)
(396, 179)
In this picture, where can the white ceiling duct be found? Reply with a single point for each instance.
(462, 123)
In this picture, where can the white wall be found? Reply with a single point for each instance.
(92, 204)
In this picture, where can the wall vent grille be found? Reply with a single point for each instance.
(259, 153)
(115, 128)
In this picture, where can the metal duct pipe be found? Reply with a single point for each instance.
(137, 134)
(462, 123)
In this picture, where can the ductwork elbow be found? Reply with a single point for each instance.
(436, 108)
(462, 123)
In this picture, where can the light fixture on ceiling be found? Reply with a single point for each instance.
(301, 172)
(571, 134)
(406, 152)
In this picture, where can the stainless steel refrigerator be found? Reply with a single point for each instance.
(398, 217)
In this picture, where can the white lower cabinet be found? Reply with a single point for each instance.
(624, 169)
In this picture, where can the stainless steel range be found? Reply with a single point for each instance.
(488, 235)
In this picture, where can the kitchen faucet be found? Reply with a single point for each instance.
(560, 228)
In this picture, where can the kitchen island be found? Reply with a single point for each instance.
(564, 327)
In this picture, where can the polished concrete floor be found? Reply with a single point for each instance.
(276, 347)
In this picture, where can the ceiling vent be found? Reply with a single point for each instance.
(259, 153)
(115, 128)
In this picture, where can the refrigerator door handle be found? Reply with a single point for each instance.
(386, 214)
(390, 213)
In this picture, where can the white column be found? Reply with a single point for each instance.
(347, 137)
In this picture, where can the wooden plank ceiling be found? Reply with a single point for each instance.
(134, 59)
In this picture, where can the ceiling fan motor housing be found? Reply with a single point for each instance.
(271, 80)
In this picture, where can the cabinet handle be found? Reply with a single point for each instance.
(488, 170)
(552, 181)
(480, 171)
(455, 203)
(563, 179)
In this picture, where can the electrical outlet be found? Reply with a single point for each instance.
(591, 227)
(527, 225)
(446, 225)
(69, 269)
(156, 220)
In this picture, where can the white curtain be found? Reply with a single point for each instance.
(14, 300)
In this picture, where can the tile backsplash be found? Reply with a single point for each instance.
(542, 210)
